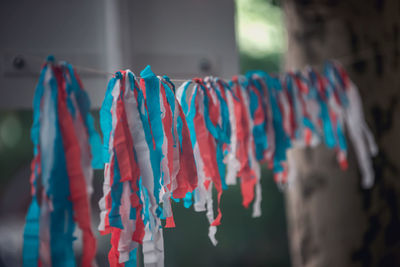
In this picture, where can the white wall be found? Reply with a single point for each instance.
(173, 36)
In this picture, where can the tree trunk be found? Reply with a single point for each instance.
(332, 221)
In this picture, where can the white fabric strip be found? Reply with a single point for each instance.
(233, 165)
(361, 137)
(255, 166)
(47, 138)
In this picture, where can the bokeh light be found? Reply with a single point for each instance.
(259, 28)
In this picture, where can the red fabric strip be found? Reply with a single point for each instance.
(113, 255)
(168, 128)
(123, 143)
(187, 175)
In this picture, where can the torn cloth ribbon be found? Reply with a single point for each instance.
(257, 118)
(162, 144)
(148, 161)
(61, 181)
(206, 110)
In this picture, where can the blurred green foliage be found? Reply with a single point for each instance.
(261, 35)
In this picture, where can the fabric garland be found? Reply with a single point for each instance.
(162, 145)
(149, 160)
(61, 181)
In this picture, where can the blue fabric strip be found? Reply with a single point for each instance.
(106, 119)
(259, 130)
(30, 252)
(132, 258)
(154, 112)
(62, 224)
(219, 133)
(282, 141)
(116, 194)
(188, 200)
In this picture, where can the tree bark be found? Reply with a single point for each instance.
(332, 221)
